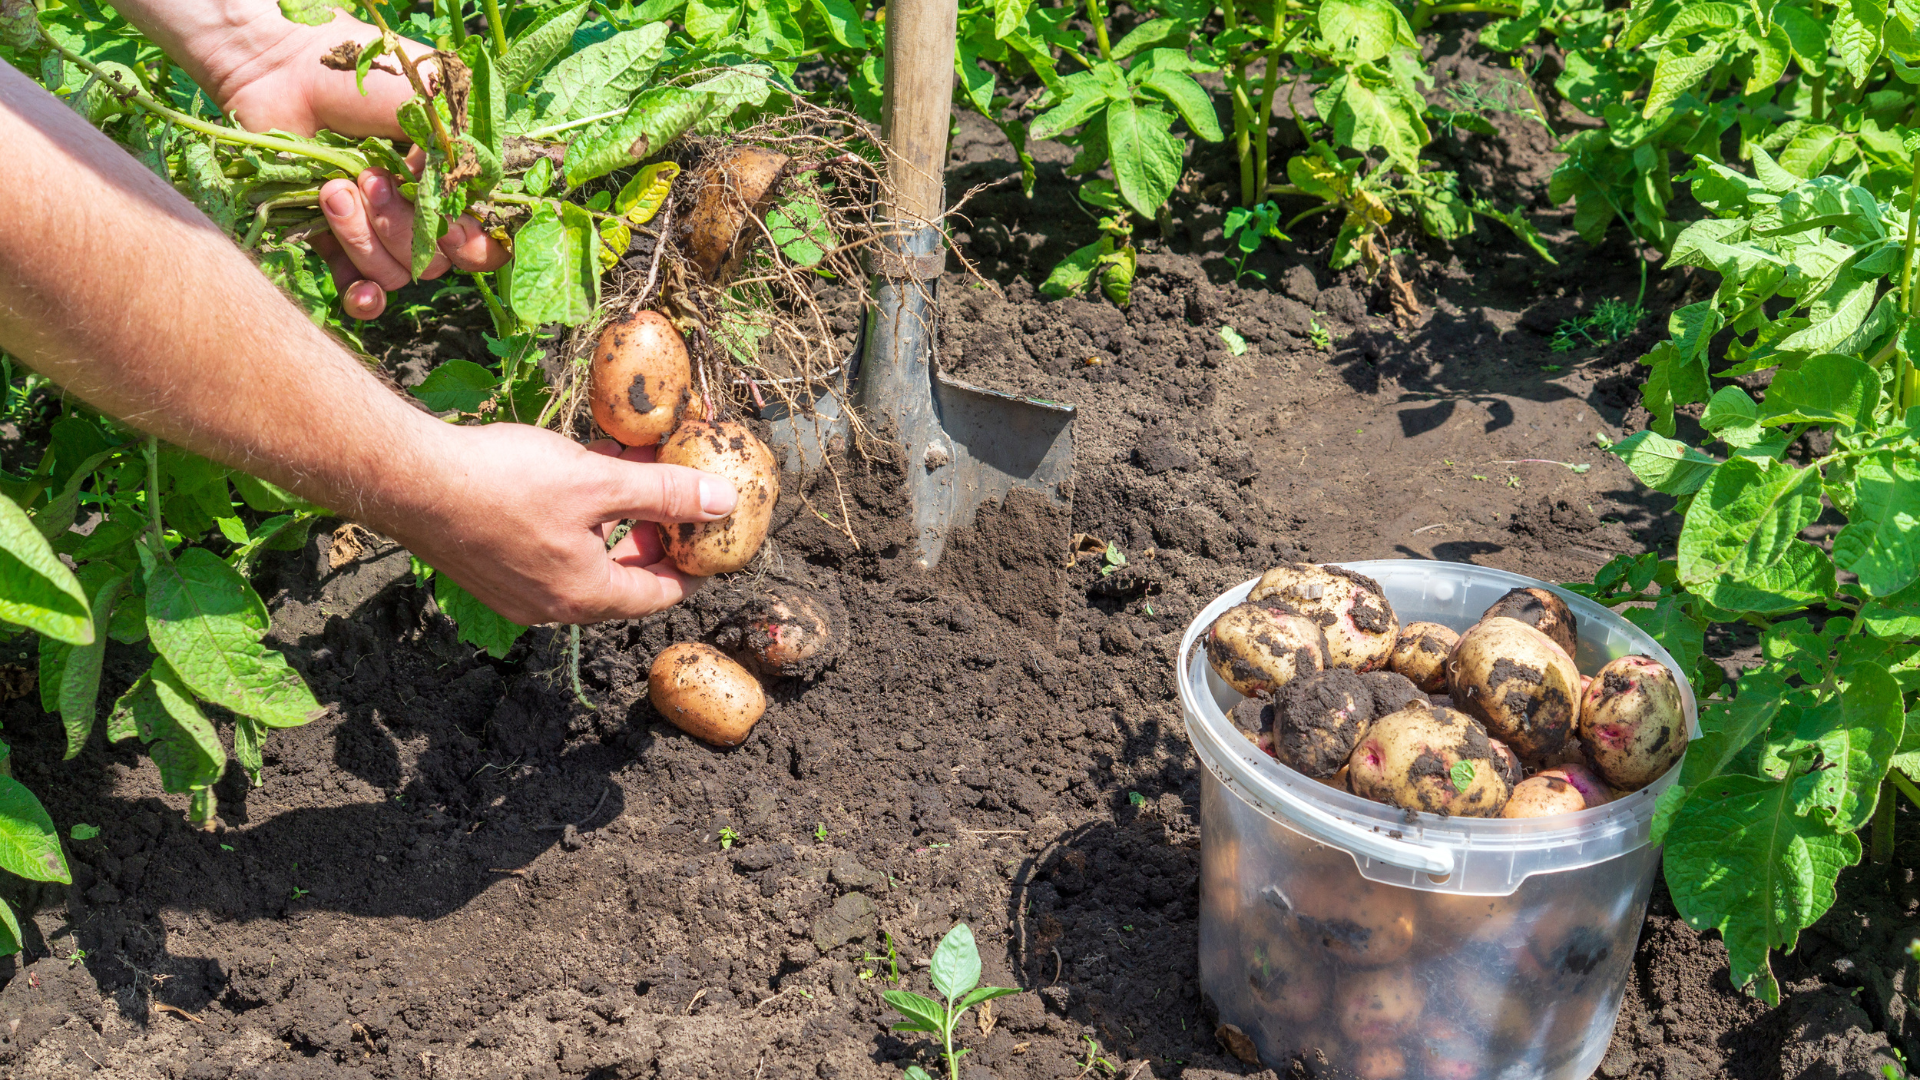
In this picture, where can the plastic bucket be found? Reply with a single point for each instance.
(1361, 939)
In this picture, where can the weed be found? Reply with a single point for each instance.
(1136, 798)
(1096, 1061)
(955, 974)
(1608, 322)
(299, 892)
(727, 837)
(75, 957)
(1246, 227)
(892, 960)
(1236, 344)
(84, 831)
(1112, 559)
(1319, 336)
(820, 831)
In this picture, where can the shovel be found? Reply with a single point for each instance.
(966, 446)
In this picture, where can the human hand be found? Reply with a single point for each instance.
(524, 515)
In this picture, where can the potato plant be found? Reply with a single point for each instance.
(1812, 745)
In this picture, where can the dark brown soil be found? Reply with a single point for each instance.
(462, 872)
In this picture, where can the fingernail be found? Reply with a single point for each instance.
(340, 203)
(716, 497)
(379, 190)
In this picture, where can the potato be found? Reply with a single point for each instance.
(1284, 978)
(1543, 796)
(728, 191)
(705, 694)
(1566, 946)
(1411, 759)
(1380, 1063)
(1541, 610)
(1358, 922)
(724, 448)
(1252, 715)
(1378, 1006)
(1516, 681)
(1391, 692)
(1420, 654)
(641, 379)
(1360, 625)
(1338, 781)
(1451, 918)
(1448, 1051)
(1318, 718)
(788, 632)
(1507, 763)
(1632, 722)
(1591, 787)
(1258, 648)
(1220, 879)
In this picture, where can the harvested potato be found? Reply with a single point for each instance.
(730, 194)
(1380, 1063)
(641, 379)
(1448, 1051)
(1632, 722)
(1318, 718)
(1391, 692)
(1436, 760)
(1360, 625)
(705, 694)
(788, 632)
(1584, 780)
(1566, 946)
(1451, 918)
(1338, 781)
(1507, 763)
(1516, 681)
(1543, 796)
(1420, 653)
(1541, 610)
(724, 448)
(1220, 879)
(1378, 1006)
(1259, 647)
(1253, 715)
(1284, 978)
(1358, 922)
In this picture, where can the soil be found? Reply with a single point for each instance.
(461, 871)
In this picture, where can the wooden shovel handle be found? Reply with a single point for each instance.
(918, 104)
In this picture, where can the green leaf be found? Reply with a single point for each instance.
(541, 43)
(477, 623)
(37, 590)
(487, 103)
(642, 196)
(249, 739)
(1188, 99)
(1770, 55)
(985, 993)
(709, 22)
(1147, 159)
(1367, 29)
(956, 962)
(602, 76)
(546, 282)
(10, 940)
(1676, 72)
(843, 22)
(29, 844)
(1807, 33)
(1462, 775)
(1236, 344)
(83, 831)
(1083, 100)
(1825, 389)
(53, 665)
(657, 117)
(1740, 860)
(1831, 325)
(80, 679)
(1896, 617)
(1071, 275)
(1881, 543)
(373, 50)
(922, 1013)
(1664, 465)
(1856, 736)
(1856, 34)
(457, 386)
(1677, 632)
(265, 497)
(1726, 729)
(309, 12)
(207, 622)
(1744, 518)
(1145, 36)
(160, 709)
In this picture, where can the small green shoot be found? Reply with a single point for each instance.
(1513, 481)
(1478, 476)
(1462, 775)
(1136, 798)
(1235, 343)
(955, 974)
(299, 892)
(1319, 336)
(727, 837)
(75, 957)
(1096, 1061)
(892, 960)
(1608, 322)
(1246, 227)
(226, 847)
(1603, 440)
(84, 831)
(1112, 559)
(820, 831)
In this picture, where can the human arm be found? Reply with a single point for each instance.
(222, 364)
(264, 70)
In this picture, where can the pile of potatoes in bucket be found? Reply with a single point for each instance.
(642, 395)
(1493, 722)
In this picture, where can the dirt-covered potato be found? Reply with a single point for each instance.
(1425, 758)
(641, 379)
(1516, 681)
(1318, 718)
(1420, 653)
(1259, 647)
(1359, 923)
(730, 194)
(1584, 780)
(1541, 610)
(1543, 796)
(1632, 722)
(1253, 715)
(1284, 978)
(1360, 625)
(1507, 762)
(1391, 692)
(788, 632)
(1377, 1007)
(705, 694)
(724, 448)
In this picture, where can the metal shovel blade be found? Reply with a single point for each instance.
(967, 447)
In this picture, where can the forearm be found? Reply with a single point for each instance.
(118, 289)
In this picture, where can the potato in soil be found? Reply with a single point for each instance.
(1351, 608)
(1258, 648)
(641, 379)
(1541, 610)
(1516, 681)
(730, 194)
(788, 632)
(724, 448)
(1318, 718)
(1632, 722)
(1431, 759)
(1420, 653)
(705, 694)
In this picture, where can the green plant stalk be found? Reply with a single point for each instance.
(1903, 380)
(1269, 85)
(310, 197)
(1882, 836)
(456, 15)
(142, 100)
(497, 28)
(1098, 16)
(541, 133)
(1905, 786)
(953, 1021)
(502, 325)
(419, 84)
(1242, 112)
(152, 451)
(200, 808)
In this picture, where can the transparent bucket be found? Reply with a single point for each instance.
(1360, 939)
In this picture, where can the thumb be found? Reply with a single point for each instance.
(653, 492)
